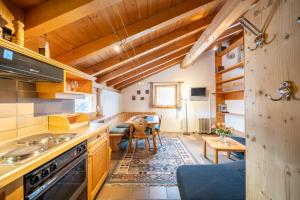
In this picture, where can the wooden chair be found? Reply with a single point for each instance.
(157, 129)
(140, 125)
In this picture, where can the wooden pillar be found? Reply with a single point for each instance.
(272, 127)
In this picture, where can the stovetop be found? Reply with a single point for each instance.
(17, 151)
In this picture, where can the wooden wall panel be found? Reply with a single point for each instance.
(273, 128)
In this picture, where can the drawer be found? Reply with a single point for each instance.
(102, 135)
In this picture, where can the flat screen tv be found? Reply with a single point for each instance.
(198, 94)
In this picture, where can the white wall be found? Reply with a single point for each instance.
(111, 103)
(200, 74)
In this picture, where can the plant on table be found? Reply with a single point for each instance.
(222, 130)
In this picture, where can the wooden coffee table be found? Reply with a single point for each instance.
(217, 145)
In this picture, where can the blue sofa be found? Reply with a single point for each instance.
(212, 182)
(241, 140)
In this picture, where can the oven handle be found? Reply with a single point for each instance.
(59, 175)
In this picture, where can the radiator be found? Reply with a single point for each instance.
(204, 125)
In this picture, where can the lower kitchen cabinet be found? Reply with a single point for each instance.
(98, 163)
(12, 191)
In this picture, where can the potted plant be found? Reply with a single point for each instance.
(223, 131)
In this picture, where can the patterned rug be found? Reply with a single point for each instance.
(141, 167)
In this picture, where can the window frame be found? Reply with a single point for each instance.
(176, 96)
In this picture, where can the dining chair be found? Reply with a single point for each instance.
(140, 126)
(157, 129)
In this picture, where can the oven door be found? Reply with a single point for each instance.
(70, 183)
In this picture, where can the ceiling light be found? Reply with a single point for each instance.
(215, 48)
(117, 48)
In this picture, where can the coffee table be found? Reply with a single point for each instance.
(217, 145)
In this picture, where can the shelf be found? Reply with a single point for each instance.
(230, 113)
(231, 79)
(231, 47)
(74, 86)
(238, 65)
(236, 114)
(232, 91)
(220, 87)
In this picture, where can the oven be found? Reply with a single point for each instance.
(63, 178)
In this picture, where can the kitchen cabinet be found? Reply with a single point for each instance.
(12, 191)
(72, 86)
(98, 162)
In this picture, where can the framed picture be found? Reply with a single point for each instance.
(147, 91)
(142, 98)
(133, 98)
(138, 91)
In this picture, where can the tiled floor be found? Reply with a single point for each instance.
(132, 192)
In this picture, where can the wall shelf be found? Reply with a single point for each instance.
(238, 65)
(231, 79)
(229, 88)
(73, 86)
(236, 114)
(231, 91)
(231, 47)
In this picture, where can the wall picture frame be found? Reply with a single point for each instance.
(142, 98)
(138, 92)
(133, 98)
(147, 91)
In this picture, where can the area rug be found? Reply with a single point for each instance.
(140, 167)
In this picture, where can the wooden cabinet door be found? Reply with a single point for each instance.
(13, 191)
(98, 166)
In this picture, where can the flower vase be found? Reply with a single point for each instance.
(223, 138)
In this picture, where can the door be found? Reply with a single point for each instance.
(98, 166)
(273, 127)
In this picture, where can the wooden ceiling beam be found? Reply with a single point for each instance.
(157, 55)
(227, 35)
(145, 68)
(149, 47)
(145, 75)
(54, 14)
(137, 30)
(228, 14)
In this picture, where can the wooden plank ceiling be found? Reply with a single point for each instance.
(153, 35)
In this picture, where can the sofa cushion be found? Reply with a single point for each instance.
(220, 182)
(116, 130)
(122, 125)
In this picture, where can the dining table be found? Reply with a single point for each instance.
(152, 120)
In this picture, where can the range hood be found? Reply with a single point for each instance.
(14, 65)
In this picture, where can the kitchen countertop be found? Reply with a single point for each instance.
(10, 173)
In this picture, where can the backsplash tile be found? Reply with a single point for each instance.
(8, 109)
(25, 109)
(22, 113)
(8, 123)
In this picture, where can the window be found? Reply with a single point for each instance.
(86, 104)
(166, 95)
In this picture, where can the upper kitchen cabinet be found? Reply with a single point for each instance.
(72, 86)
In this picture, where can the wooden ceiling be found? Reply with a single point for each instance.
(153, 34)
